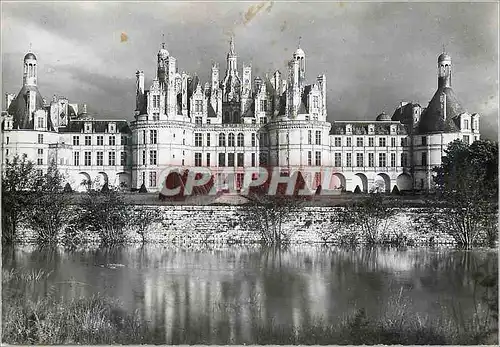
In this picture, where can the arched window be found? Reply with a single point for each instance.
(240, 140)
(236, 118)
(230, 140)
(226, 117)
(222, 140)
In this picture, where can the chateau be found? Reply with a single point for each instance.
(232, 122)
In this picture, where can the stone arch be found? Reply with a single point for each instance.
(360, 180)
(403, 182)
(338, 181)
(100, 180)
(83, 182)
(381, 184)
(123, 180)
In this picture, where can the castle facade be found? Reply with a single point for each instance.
(232, 122)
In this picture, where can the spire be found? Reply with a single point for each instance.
(163, 40)
(300, 38)
(231, 46)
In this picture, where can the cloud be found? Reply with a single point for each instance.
(374, 55)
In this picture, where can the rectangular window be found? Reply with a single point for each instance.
(253, 140)
(100, 140)
(153, 136)
(198, 120)
(40, 122)
(466, 139)
(424, 140)
(112, 141)
(208, 159)
(156, 101)
(263, 105)
(39, 161)
(144, 136)
(309, 137)
(371, 160)
(76, 158)
(338, 159)
(466, 124)
(143, 157)
(338, 142)
(112, 159)
(393, 142)
(208, 139)
(40, 138)
(197, 159)
(263, 120)
(348, 159)
(382, 160)
(239, 159)
(40, 151)
(315, 101)
(230, 159)
(198, 106)
(88, 140)
(198, 140)
(359, 142)
(125, 140)
(381, 142)
(348, 142)
(359, 160)
(253, 159)
(393, 159)
(262, 159)
(403, 141)
(318, 137)
(309, 158)
(404, 159)
(123, 159)
(222, 159)
(88, 158)
(371, 142)
(424, 159)
(152, 157)
(152, 179)
(100, 158)
(7, 140)
(318, 158)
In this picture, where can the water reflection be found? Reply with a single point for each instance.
(227, 291)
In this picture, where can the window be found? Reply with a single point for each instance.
(198, 106)
(123, 158)
(153, 136)
(88, 140)
(144, 136)
(253, 159)
(39, 172)
(208, 139)
(348, 159)
(359, 142)
(424, 140)
(424, 159)
(263, 105)
(262, 159)
(230, 140)
(112, 159)
(359, 160)
(125, 140)
(381, 142)
(318, 137)
(76, 158)
(338, 159)
(152, 179)
(152, 157)
(403, 141)
(40, 151)
(100, 140)
(371, 142)
(143, 157)
(40, 122)
(393, 142)
(309, 158)
(382, 160)
(466, 124)
(208, 121)
(404, 159)
(318, 158)
(241, 140)
(308, 118)
(112, 141)
(40, 138)
(222, 159)
(239, 160)
(39, 161)
(393, 159)
(156, 101)
(338, 142)
(315, 102)
(198, 120)
(309, 137)
(253, 139)
(230, 159)
(8, 140)
(208, 159)
(183, 141)
(100, 158)
(466, 139)
(88, 158)
(198, 140)
(371, 160)
(197, 159)
(348, 142)
(222, 140)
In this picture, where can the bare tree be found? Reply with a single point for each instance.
(142, 218)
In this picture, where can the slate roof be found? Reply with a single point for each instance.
(98, 126)
(19, 108)
(433, 120)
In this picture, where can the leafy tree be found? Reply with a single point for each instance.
(19, 179)
(142, 218)
(467, 181)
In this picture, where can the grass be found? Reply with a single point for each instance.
(101, 320)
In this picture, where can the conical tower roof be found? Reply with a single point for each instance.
(434, 118)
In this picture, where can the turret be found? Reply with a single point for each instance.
(30, 70)
(139, 101)
(444, 71)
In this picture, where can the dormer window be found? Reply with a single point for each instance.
(315, 101)
(466, 124)
(348, 129)
(393, 129)
(112, 127)
(88, 127)
(371, 129)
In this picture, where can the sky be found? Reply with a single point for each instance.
(374, 55)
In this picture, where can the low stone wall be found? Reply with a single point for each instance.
(222, 224)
